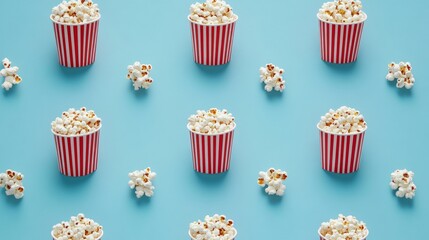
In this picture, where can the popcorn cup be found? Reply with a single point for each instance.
(77, 155)
(211, 153)
(192, 238)
(323, 238)
(212, 44)
(341, 152)
(76, 43)
(340, 41)
(99, 238)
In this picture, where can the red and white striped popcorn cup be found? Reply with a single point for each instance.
(76, 43)
(340, 41)
(323, 238)
(235, 235)
(99, 238)
(211, 153)
(341, 153)
(77, 155)
(212, 44)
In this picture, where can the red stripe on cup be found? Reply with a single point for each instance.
(77, 155)
(211, 154)
(341, 153)
(212, 44)
(339, 43)
(76, 44)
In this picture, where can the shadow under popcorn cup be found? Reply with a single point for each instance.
(192, 238)
(99, 238)
(76, 43)
(77, 154)
(341, 153)
(340, 42)
(323, 238)
(211, 153)
(212, 44)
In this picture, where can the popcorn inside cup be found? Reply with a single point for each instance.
(402, 182)
(212, 12)
(344, 227)
(77, 228)
(342, 11)
(75, 11)
(10, 75)
(213, 121)
(344, 120)
(216, 227)
(76, 122)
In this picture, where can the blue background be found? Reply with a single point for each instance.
(148, 128)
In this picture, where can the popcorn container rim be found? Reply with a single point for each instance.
(235, 234)
(102, 233)
(343, 134)
(352, 23)
(73, 136)
(367, 233)
(215, 134)
(75, 24)
(213, 25)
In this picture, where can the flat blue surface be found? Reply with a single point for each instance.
(148, 128)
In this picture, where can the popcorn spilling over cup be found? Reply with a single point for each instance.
(271, 75)
(402, 182)
(273, 179)
(213, 228)
(341, 24)
(76, 135)
(139, 74)
(141, 181)
(344, 227)
(77, 228)
(342, 133)
(12, 182)
(212, 27)
(10, 75)
(76, 31)
(212, 134)
(402, 73)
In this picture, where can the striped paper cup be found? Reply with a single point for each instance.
(211, 153)
(99, 238)
(323, 238)
(340, 41)
(212, 44)
(341, 152)
(192, 238)
(77, 155)
(76, 43)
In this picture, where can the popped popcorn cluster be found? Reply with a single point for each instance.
(10, 75)
(75, 11)
(212, 12)
(344, 228)
(402, 73)
(271, 75)
(213, 121)
(342, 11)
(273, 179)
(77, 228)
(139, 74)
(402, 182)
(344, 120)
(213, 228)
(141, 181)
(12, 182)
(76, 122)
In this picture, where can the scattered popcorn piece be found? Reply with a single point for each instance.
(141, 181)
(212, 12)
(213, 228)
(342, 11)
(402, 73)
(75, 11)
(344, 120)
(77, 228)
(343, 228)
(212, 121)
(139, 74)
(10, 75)
(12, 182)
(402, 181)
(273, 179)
(271, 75)
(76, 122)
